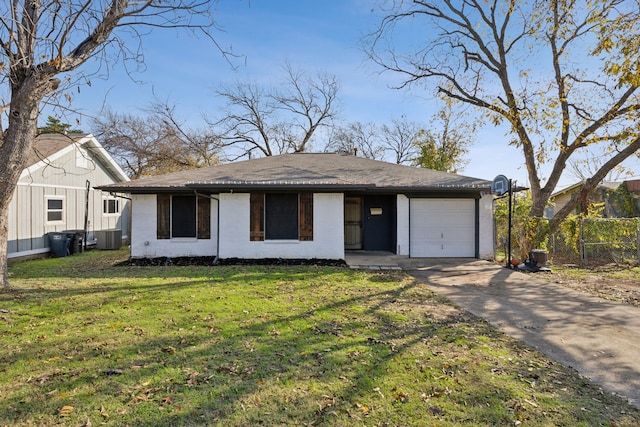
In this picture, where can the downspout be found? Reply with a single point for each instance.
(215, 260)
(86, 214)
(409, 226)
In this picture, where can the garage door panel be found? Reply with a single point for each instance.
(442, 228)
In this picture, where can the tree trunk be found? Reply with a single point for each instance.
(14, 151)
(4, 273)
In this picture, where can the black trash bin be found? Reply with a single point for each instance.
(59, 244)
(75, 240)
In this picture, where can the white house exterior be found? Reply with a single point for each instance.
(307, 206)
(56, 193)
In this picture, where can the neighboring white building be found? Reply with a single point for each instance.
(56, 192)
(309, 206)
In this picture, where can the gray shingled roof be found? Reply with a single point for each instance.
(319, 171)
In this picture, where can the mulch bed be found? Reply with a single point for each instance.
(211, 261)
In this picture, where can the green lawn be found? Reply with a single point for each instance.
(84, 342)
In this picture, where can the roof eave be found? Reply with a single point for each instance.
(341, 188)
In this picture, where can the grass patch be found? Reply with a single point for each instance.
(85, 343)
(613, 272)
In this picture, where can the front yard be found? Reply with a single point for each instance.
(86, 343)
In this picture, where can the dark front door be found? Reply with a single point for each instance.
(379, 223)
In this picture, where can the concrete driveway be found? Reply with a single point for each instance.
(598, 338)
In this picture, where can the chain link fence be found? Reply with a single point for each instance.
(608, 240)
(587, 242)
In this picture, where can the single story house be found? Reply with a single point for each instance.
(607, 192)
(309, 205)
(56, 193)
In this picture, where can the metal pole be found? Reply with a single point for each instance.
(509, 231)
(637, 240)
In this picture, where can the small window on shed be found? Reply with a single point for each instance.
(55, 209)
(110, 206)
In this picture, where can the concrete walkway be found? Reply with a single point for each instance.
(372, 260)
(598, 338)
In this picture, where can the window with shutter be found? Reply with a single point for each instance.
(281, 216)
(183, 216)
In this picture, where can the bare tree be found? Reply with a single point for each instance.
(43, 42)
(155, 141)
(398, 138)
(274, 121)
(536, 66)
(356, 138)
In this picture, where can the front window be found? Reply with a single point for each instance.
(183, 216)
(281, 216)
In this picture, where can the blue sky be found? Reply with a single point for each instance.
(312, 36)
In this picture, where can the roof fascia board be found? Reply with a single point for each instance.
(96, 148)
(105, 157)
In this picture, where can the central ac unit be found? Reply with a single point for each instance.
(108, 239)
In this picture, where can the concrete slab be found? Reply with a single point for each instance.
(372, 260)
(598, 338)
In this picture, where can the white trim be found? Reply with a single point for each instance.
(93, 147)
(28, 253)
(66, 187)
(106, 198)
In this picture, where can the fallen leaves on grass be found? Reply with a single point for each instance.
(65, 411)
(104, 413)
(169, 349)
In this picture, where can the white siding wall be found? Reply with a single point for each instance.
(402, 204)
(144, 243)
(487, 250)
(328, 231)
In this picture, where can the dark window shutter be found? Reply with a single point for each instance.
(204, 217)
(256, 220)
(163, 202)
(306, 216)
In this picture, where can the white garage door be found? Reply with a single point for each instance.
(442, 228)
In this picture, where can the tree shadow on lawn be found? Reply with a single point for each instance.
(384, 355)
(130, 280)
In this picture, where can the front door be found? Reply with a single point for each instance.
(379, 223)
(353, 223)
